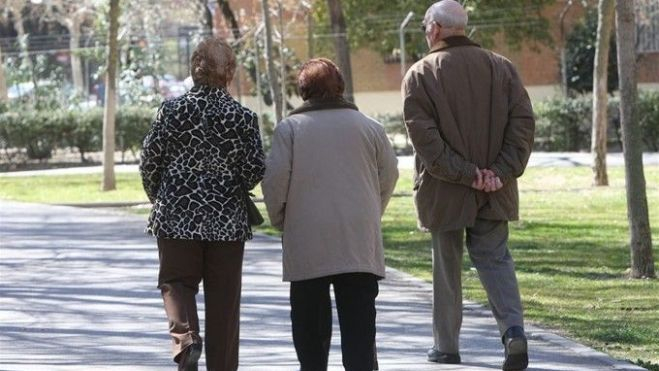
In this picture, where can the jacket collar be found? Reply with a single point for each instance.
(316, 104)
(206, 89)
(451, 42)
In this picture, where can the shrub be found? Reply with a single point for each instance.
(133, 122)
(34, 132)
(648, 118)
(38, 133)
(563, 124)
(84, 130)
(566, 124)
(395, 127)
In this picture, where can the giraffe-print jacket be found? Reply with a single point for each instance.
(200, 148)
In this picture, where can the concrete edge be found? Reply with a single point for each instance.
(93, 205)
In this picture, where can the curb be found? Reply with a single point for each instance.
(92, 205)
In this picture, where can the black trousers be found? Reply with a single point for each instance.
(183, 265)
(311, 316)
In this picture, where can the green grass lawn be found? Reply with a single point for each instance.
(56, 189)
(571, 250)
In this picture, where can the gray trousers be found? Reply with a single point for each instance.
(487, 245)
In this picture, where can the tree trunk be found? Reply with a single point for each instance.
(4, 98)
(563, 53)
(637, 204)
(24, 44)
(606, 10)
(229, 17)
(76, 61)
(272, 73)
(208, 20)
(341, 45)
(231, 21)
(282, 59)
(110, 100)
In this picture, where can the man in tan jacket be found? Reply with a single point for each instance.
(471, 123)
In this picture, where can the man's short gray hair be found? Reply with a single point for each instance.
(448, 13)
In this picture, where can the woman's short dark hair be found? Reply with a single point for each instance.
(213, 63)
(320, 78)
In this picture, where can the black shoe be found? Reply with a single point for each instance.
(435, 355)
(514, 342)
(189, 357)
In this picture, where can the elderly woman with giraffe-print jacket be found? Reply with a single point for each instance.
(202, 151)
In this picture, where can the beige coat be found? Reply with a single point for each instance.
(466, 108)
(329, 177)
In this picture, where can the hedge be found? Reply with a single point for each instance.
(38, 133)
(565, 124)
(561, 125)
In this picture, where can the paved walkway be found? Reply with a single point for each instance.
(77, 292)
(547, 159)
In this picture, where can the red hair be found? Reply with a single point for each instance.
(320, 78)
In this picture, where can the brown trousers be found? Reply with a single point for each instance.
(183, 265)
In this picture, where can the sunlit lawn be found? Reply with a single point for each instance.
(571, 250)
(56, 189)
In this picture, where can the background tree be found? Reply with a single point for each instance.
(580, 47)
(230, 18)
(13, 10)
(3, 82)
(341, 45)
(72, 14)
(374, 23)
(206, 17)
(606, 9)
(642, 262)
(109, 113)
(275, 90)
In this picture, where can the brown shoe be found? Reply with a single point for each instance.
(187, 360)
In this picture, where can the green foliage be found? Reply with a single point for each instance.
(132, 125)
(395, 128)
(648, 118)
(47, 93)
(375, 23)
(580, 47)
(248, 59)
(565, 124)
(37, 133)
(649, 365)
(84, 130)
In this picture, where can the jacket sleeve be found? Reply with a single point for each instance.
(252, 166)
(518, 134)
(153, 149)
(387, 168)
(438, 158)
(277, 178)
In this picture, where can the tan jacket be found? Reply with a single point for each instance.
(465, 108)
(329, 177)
